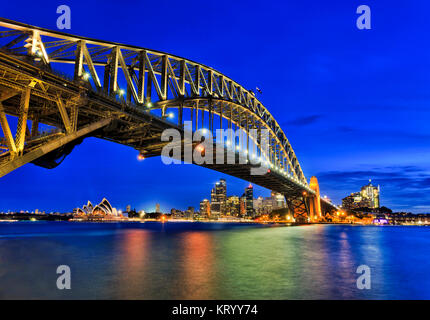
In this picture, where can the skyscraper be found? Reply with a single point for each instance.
(371, 193)
(249, 196)
(258, 205)
(219, 199)
(233, 206)
(157, 208)
(242, 201)
(278, 200)
(205, 208)
(367, 197)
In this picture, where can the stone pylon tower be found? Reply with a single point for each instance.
(315, 201)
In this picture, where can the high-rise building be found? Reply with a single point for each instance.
(128, 208)
(368, 197)
(278, 200)
(258, 205)
(242, 201)
(249, 198)
(189, 213)
(371, 193)
(268, 204)
(219, 199)
(233, 206)
(205, 208)
(157, 208)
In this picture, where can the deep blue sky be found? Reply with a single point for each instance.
(353, 103)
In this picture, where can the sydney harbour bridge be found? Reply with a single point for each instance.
(56, 89)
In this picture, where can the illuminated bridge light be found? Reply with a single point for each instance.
(280, 147)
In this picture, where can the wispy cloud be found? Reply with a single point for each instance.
(402, 187)
(304, 121)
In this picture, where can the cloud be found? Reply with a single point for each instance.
(402, 187)
(304, 121)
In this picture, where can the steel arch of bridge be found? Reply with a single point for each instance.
(154, 80)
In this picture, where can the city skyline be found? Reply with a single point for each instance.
(220, 196)
(346, 126)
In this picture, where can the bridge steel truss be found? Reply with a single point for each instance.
(123, 94)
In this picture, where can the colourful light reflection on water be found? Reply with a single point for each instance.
(212, 261)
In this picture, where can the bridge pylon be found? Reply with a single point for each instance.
(306, 208)
(315, 213)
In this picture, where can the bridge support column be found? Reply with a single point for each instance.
(299, 208)
(315, 201)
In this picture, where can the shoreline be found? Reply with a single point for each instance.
(281, 224)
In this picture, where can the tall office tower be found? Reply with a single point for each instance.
(157, 208)
(278, 200)
(205, 208)
(242, 201)
(189, 213)
(367, 197)
(249, 196)
(219, 199)
(128, 208)
(233, 206)
(258, 205)
(371, 193)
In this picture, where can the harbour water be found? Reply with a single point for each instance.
(179, 260)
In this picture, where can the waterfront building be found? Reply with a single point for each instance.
(189, 213)
(219, 199)
(128, 208)
(205, 208)
(242, 201)
(176, 214)
(104, 208)
(368, 197)
(268, 204)
(278, 200)
(233, 206)
(371, 193)
(249, 200)
(258, 205)
(157, 208)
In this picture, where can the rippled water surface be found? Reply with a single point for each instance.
(179, 260)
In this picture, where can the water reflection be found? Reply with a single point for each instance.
(132, 263)
(213, 261)
(198, 265)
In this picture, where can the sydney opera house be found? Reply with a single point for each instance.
(103, 210)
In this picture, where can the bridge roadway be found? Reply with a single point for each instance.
(72, 109)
